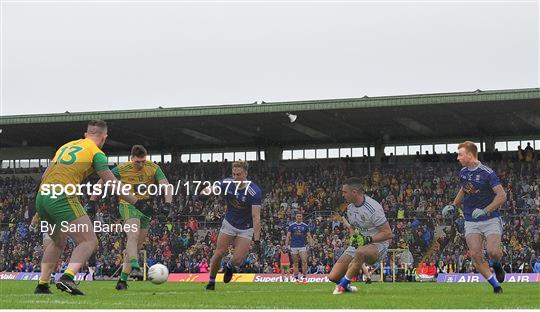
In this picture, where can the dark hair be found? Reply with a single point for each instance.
(138, 151)
(96, 125)
(355, 183)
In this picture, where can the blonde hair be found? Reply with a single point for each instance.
(241, 164)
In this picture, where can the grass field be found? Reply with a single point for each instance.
(144, 295)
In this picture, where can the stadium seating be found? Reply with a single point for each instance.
(183, 239)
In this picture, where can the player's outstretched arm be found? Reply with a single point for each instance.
(459, 198)
(311, 241)
(450, 210)
(107, 175)
(498, 201)
(34, 223)
(168, 190)
(256, 215)
(384, 234)
(94, 197)
(348, 225)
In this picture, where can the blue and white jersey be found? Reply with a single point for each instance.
(299, 232)
(478, 184)
(239, 203)
(367, 217)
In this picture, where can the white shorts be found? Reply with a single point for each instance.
(228, 229)
(487, 227)
(297, 250)
(381, 247)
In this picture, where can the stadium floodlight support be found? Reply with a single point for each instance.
(392, 264)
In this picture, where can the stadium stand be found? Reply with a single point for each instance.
(411, 188)
(411, 194)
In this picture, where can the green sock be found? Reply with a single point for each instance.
(135, 264)
(124, 276)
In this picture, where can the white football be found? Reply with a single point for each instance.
(158, 273)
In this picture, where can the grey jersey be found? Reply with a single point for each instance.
(367, 217)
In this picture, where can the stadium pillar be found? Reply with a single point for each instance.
(272, 155)
(490, 144)
(379, 151)
(176, 156)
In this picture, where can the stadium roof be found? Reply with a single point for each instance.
(392, 119)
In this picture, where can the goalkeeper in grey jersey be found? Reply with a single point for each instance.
(370, 244)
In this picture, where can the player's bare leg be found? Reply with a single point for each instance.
(46, 242)
(241, 250)
(294, 257)
(340, 268)
(130, 255)
(136, 270)
(86, 241)
(474, 243)
(303, 257)
(366, 273)
(52, 250)
(222, 246)
(142, 238)
(494, 251)
(364, 254)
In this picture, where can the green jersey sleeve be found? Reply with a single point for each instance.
(159, 175)
(99, 162)
(116, 172)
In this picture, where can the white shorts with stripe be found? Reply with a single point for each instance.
(381, 247)
(487, 227)
(297, 250)
(229, 229)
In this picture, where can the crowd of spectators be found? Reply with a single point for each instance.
(411, 194)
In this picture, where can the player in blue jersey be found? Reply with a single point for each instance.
(481, 194)
(298, 236)
(241, 224)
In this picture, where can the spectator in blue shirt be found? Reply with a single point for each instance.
(537, 265)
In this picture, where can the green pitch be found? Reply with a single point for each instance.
(19, 294)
